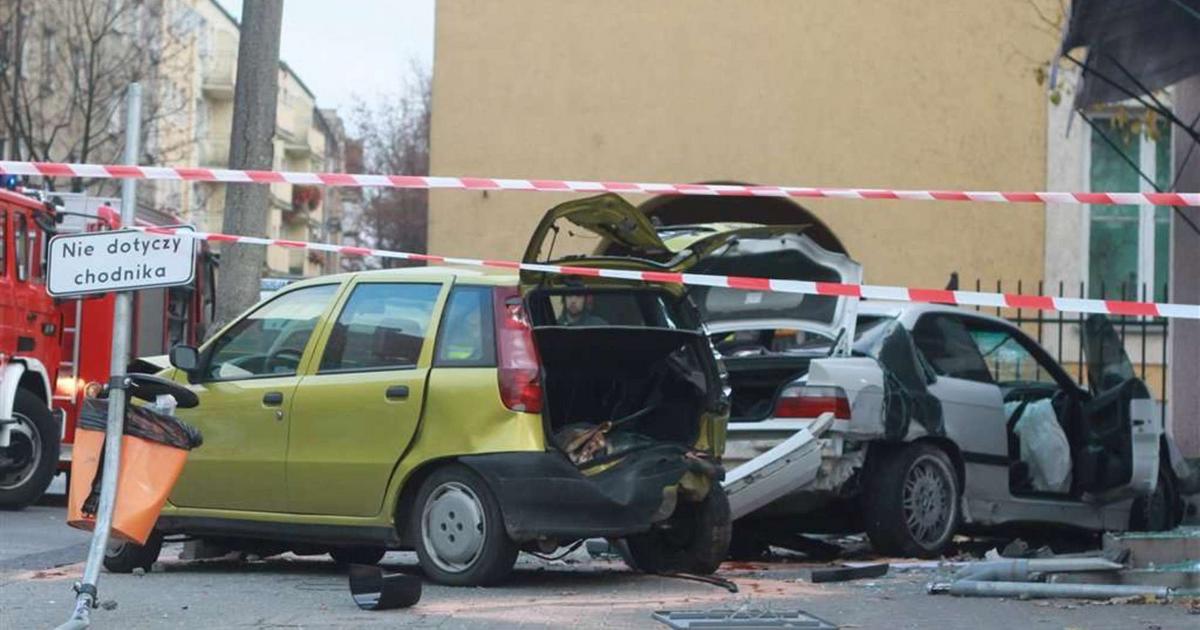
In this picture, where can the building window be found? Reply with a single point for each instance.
(1128, 255)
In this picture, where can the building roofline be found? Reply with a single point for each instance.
(226, 13)
(324, 123)
(287, 68)
(282, 64)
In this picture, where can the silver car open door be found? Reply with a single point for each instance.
(1123, 424)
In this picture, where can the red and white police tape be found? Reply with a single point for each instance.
(111, 171)
(867, 291)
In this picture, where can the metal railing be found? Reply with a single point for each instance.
(1145, 338)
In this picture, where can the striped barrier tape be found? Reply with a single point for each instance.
(110, 171)
(867, 291)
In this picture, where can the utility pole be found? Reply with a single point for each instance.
(250, 148)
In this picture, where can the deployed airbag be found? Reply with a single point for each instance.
(1044, 446)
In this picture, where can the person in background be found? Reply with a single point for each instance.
(576, 312)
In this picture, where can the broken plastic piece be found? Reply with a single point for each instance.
(845, 574)
(372, 590)
(790, 465)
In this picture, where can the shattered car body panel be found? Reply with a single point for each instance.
(778, 469)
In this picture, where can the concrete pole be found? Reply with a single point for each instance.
(1183, 354)
(248, 206)
(117, 396)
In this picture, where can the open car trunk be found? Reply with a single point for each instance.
(755, 382)
(626, 390)
(638, 387)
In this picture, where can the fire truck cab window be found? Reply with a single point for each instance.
(22, 248)
(35, 257)
(270, 340)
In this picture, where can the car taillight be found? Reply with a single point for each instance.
(810, 401)
(516, 356)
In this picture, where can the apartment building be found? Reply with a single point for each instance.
(306, 139)
(185, 54)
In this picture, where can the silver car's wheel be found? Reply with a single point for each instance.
(453, 527)
(928, 500)
(910, 500)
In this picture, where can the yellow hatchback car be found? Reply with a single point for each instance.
(465, 414)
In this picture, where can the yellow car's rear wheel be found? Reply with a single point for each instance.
(460, 535)
(695, 539)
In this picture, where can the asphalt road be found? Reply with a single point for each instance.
(40, 557)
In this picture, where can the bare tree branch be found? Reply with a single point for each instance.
(71, 61)
(395, 137)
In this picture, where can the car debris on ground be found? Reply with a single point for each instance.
(741, 618)
(1157, 565)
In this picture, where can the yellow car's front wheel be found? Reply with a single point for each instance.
(460, 535)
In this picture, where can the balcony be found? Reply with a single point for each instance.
(214, 153)
(218, 68)
(305, 200)
(218, 72)
(298, 150)
(295, 144)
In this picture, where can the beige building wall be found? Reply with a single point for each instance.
(882, 93)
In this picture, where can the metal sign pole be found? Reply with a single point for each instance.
(86, 590)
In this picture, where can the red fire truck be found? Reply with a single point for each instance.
(50, 348)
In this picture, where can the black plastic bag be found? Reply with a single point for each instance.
(143, 423)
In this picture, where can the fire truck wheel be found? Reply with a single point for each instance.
(28, 464)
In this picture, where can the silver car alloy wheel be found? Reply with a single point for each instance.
(453, 527)
(928, 500)
(21, 459)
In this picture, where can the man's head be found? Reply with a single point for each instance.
(575, 305)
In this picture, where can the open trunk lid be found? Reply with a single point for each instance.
(607, 231)
(780, 252)
(574, 230)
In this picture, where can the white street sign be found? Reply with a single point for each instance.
(120, 260)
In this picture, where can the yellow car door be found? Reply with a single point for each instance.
(245, 383)
(356, 411)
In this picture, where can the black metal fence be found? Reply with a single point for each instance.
(1059, 333)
